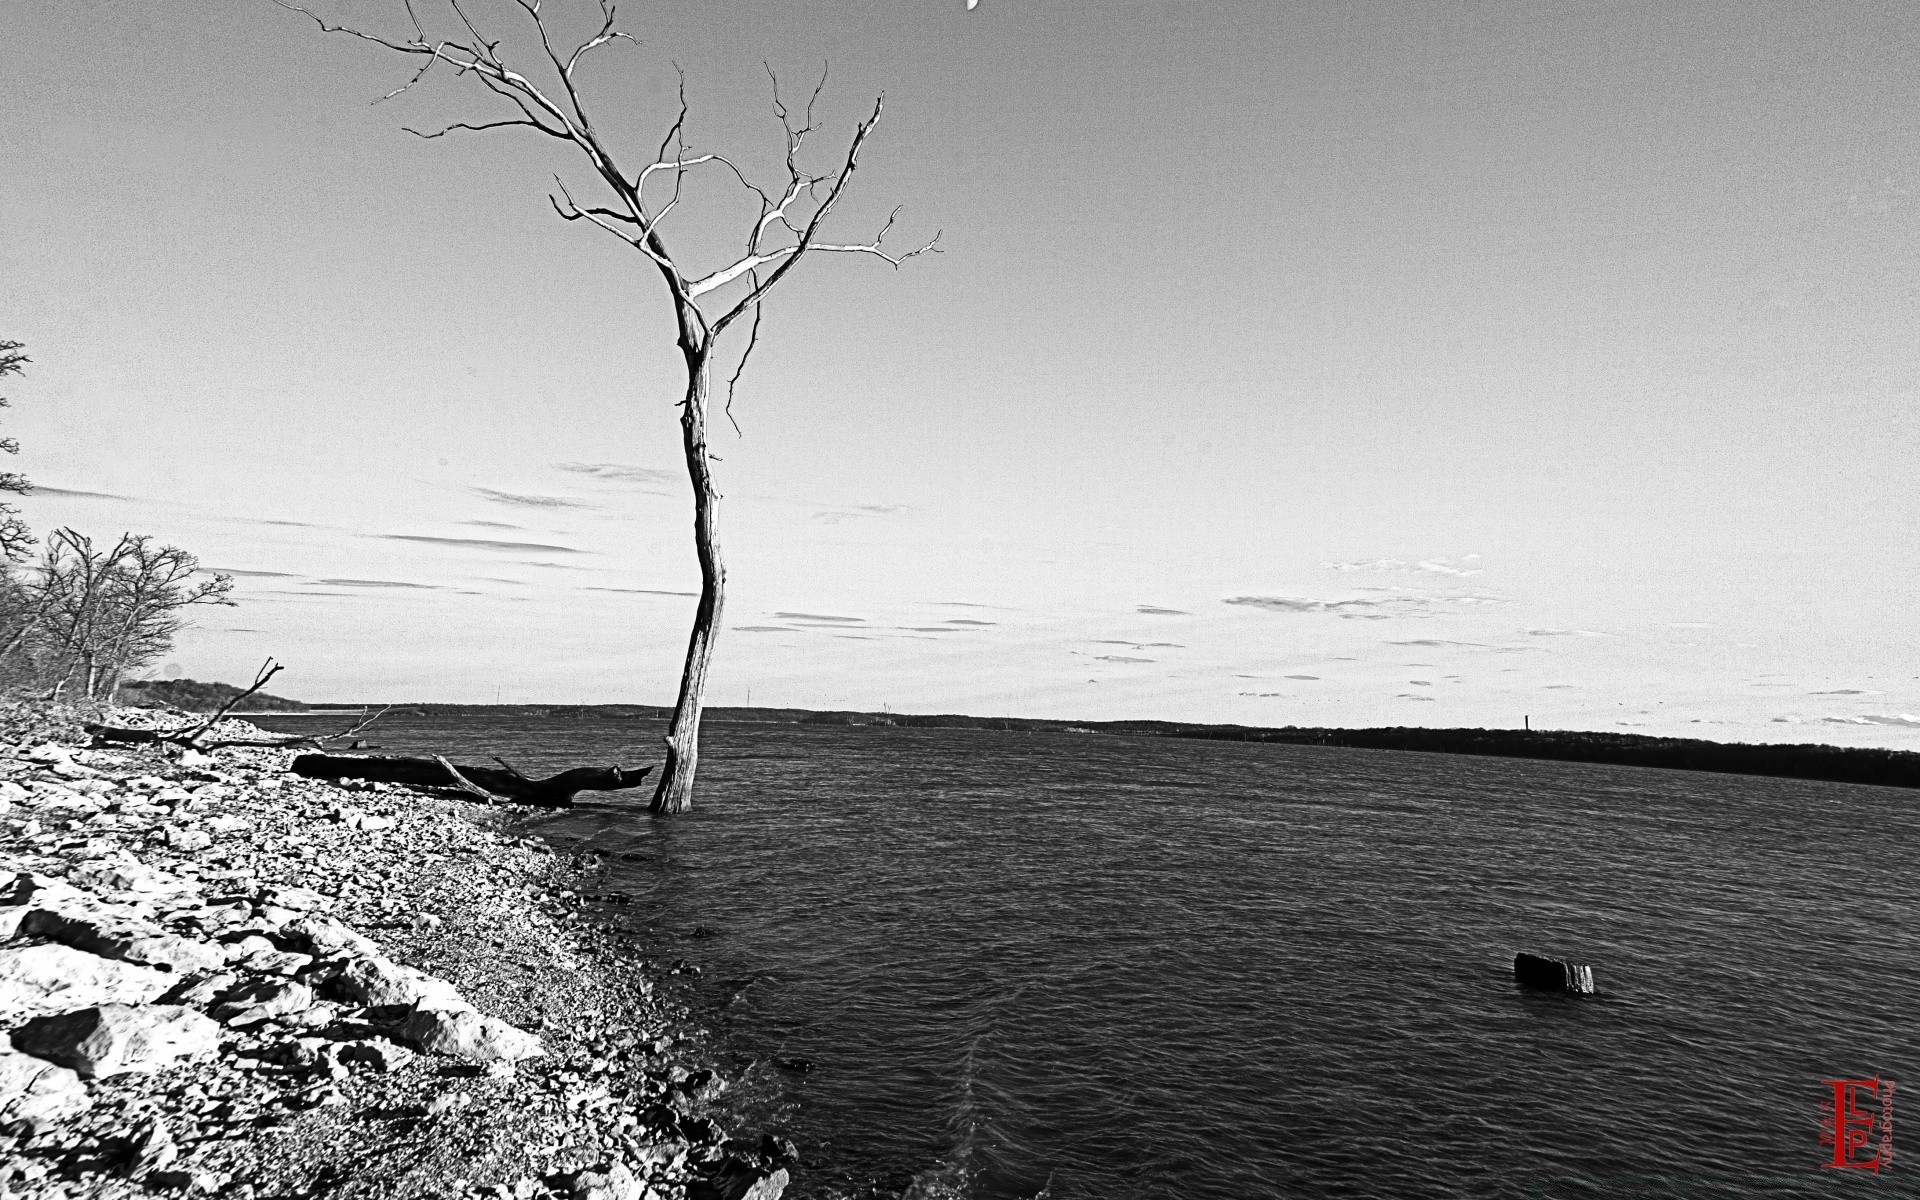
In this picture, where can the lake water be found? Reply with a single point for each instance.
(1092, 966)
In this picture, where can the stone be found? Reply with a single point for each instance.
(228, 823)
(298, 899)
(36, 980)
(153, 1149)
(264, 1001)
(738, 1179)
(200, 992)
(122, 872)
(378, 1053)
(113, 1039)
(607, 1181)
(324, 936)
(465, 1034)
(49, 752)
(38, 1092)
(100, 930)
(187, 840)
(198, 759)
(378, 982)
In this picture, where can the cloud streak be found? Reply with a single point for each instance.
(482, 543)
(526, 501)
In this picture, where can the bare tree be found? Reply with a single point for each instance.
(105, 612)
(544, 98)
(15, 538)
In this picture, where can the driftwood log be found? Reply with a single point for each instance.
(503, 784)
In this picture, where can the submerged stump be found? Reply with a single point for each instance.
(1531, 970)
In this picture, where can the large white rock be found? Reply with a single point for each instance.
(323, 936)
(376, 981)
(113, 1039)
(35, 980)
(33, 1089)
(466, 1034)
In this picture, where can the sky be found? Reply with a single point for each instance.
(1451, 363)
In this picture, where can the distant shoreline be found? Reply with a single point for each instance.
(1832, 764)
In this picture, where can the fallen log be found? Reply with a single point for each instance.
(495, 784)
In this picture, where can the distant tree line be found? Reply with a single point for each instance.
(80, 619)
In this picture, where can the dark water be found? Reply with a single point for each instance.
(1130, 967)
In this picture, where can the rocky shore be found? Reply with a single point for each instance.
(219, 978)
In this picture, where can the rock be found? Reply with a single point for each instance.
(324, 936)
(53, 979)
(113, 1039)
(196, 758)
(187, 840)
(463, 1033)
(424, 922)
(778, 1149)
(738, 1180)
(378, 1053)
(122, 872)
(153, 1149)
(111, 936)
(377, 982)
(37, 1091)
(249, 946)
(263, 1001)
(49, 752)
(200, 992)
(608, 1181)
(226, 824)
(1530, 970)
(297, 898)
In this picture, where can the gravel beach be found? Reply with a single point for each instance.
(220, 978)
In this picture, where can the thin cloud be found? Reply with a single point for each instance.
(379, 583)
(1303, 677)
(1437, 566)
(619, 473)
(528, 501)
(833, 516)
(1413, 696)
(964, 621)
(1120, 658)
(249, 574)
(1139, 645)
(527, 562)
(483, 543)
(794, 616)
(1901, 720)
(638, 591)
(927, 628)
(43, 490)
(1565, 633)
(1845, 692)
(493, 524)
(1439, 642)
(760, 629)
(1376, 610)
(1151, 611)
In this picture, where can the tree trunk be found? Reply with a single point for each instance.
(674, 794)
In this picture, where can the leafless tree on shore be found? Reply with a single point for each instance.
(631, 205)
(15, 538)
(105, 612)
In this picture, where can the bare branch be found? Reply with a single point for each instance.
(267, 671)
(753, 340)
(458, 125)
(464, 784)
